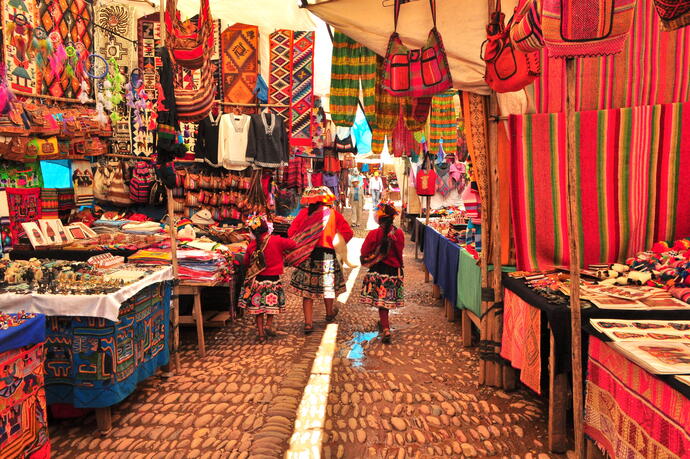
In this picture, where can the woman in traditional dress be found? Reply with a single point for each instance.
(382, 253)
(319, 273)
(263, 294)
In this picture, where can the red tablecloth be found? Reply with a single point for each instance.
(631, 413)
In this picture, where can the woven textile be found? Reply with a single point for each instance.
(521, 340)
(630, 171)
(387, 111)
(22, 72)
(404, 143)
(23, 415)
(95, 363)
(119, 18)
(674, 14)
(352, 64)
(49, 203)
(586, 27)
(301, 99)
(72, 20)
(149, 37)
(25, 206)
(239, 45)
(443, 124)
(651, 69)
(280, 78)
(629, 412)
(474, 115)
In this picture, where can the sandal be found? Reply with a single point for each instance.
(386, 339)
(270, 332)
(308, 329)
(331, 318)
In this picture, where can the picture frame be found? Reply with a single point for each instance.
(79, 231)
(54, 231)
(33, 232)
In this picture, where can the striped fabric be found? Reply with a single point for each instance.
(387, 111)
(351, 65)
(443, 124)
(582, 28)
(651, 69)
(630, 163)
(49, 202)
(674, 14)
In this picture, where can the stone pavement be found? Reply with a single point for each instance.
(415, 398)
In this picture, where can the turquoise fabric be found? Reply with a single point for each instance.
(56, 173)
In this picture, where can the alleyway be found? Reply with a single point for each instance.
(415, 398)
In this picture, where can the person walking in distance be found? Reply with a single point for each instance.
(356, 201)
(382, 253)
(376, 187)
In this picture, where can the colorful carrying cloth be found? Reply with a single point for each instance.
(624, 79)
(629, 183)
(579, 28)
(674, 14)
(443, 124)
(302, 97)
(351, 65)
(307, 239)
(239, 45)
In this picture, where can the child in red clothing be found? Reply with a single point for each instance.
(263, 293)
(382, 252)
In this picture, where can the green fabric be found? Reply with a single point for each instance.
(469, 284)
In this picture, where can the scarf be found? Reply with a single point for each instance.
(307, 239)
(442, 179)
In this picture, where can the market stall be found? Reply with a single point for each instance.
(23, 414)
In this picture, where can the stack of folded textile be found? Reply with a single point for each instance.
(195, 266)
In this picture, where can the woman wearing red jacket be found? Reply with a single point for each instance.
(318, 273)
(382, 252)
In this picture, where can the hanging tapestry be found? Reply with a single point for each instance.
(301, 99)
(65, 203)
(19, 19)
(23, 415)
(239, 45)
(652, 69)
(72, 20)
(474, 115)
(149, 37)
(521, 339)
(674, 14)
(351, 64)
(82, 179)
(216, 60)
(577, 28)
(95, 363)
(630, 412)
(25, 206)
(387, 111)
(49, 203)
(443, 124)
(404, 143)
(20, 175)
(280, 77)
(628, 190)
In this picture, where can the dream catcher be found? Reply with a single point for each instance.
(113, 86)
(97, 68)
(137, 99)
(41, 47)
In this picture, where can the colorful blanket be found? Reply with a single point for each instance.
(674, 14)
(240, 57)
(23, 415)
(521, 341)
(629, 197)
(22, 72)
(25, 206)
(149, 39)
(95, 363)
(443, 124)
(631, 413)
(302, 97)
(651, 69)
(280, 78)
(575, 28)
(351, 64)
(387, 112)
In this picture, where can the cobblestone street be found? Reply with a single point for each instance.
(417, 397)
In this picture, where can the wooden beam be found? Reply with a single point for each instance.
(558, 403)
(495, 193)
(574, 244)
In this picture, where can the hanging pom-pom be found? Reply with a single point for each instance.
(117, 99)
(108, 104)
(107, 84)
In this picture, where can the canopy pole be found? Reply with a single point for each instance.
(574, 244)
(172, 231)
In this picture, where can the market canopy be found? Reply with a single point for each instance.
(462, 24)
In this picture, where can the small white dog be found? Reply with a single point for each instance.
(340, 247)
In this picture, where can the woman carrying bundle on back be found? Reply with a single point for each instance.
(382, 253)
(262, 294)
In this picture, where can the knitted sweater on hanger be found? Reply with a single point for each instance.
(268, 141)
(233, 138)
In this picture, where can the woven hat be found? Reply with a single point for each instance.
(318, 194)
(386, 209)
(257, 222)
(203, 217)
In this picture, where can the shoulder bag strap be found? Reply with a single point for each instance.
(396, 14)
(432, 5)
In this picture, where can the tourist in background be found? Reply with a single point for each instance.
(356, 202)
(376, 187)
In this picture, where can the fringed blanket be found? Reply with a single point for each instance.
(630, 413)
(308, 236)
(630, 173)
(239, 44)
(575, 28)
(652, 69)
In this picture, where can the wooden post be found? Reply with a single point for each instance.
(427, 212)
(495, 197)
(574, 244)
(175, 313)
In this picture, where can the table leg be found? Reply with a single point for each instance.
(104, 420)
(416, 241)
(466, 329)
(558, 401)
(436, 291)
(426, 275)
(451, 312)
(199, 319)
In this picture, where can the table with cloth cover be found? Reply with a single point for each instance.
(23, 415)
(630, 412)
(96, 355)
